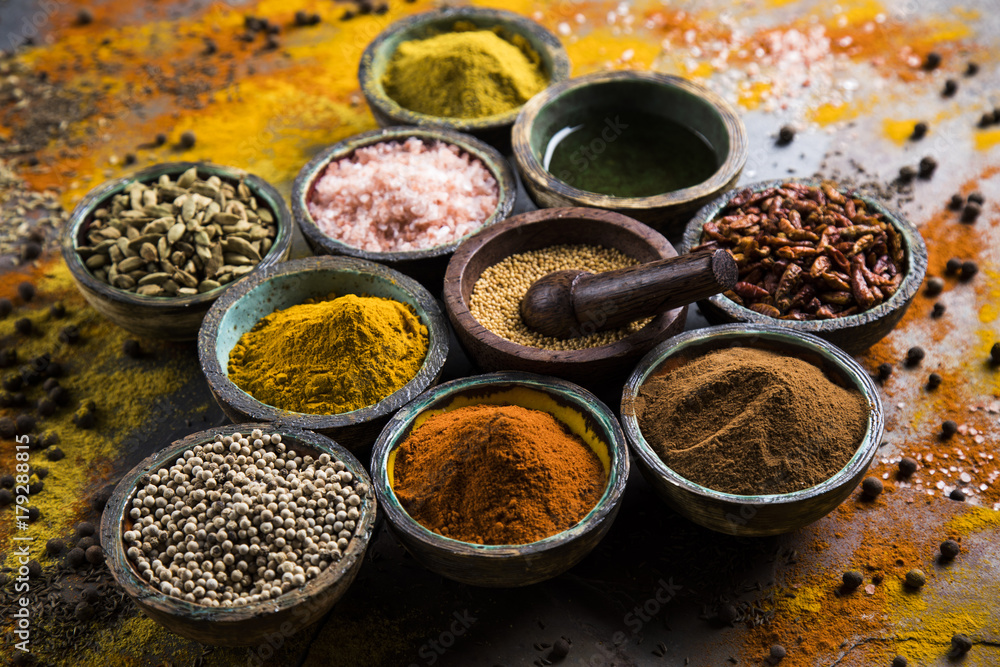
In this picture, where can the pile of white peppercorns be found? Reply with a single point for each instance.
(241, 520)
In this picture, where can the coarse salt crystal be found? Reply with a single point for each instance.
(965, 477)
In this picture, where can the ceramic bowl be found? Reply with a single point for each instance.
(760, 514)
(251, 623)
(604, 95)
(292, 283)
(494, 130)
(519, 564)
(853, 333)
(591, 367)
(171, 318)
(427, 265)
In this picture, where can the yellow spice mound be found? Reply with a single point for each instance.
(469, 74)
(330, 357)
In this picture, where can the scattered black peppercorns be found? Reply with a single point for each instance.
(969, 269)
(84, 17)
(6, 307)
(957, 494)
(54, 547)
(786, 135)
(25, 424)
(84, 612)
(69, 334)
(34, 568)
(34, 514)
(899, 661)
(972, 69)
(187, 140)
(727, 614)
(24, 326)
(950, 88)
(776, 654)
(131, 348)
(54, 454)
(932, 61)
(914, 355)
(938, 310)
(927, 166)
(934, 286)
(971, 212)
(950, 549)
(7, 481)
(995, 353)
(559, 650)
(26, 291)
(933, 381)
(86, 542)
(884, 370)
(76, 557)
(871, 487)
(30, 250)
(977, 197)
(852, 579)
(949, 428)
(85, 529)
(95, 555)
(953, 266)
(6, 497)
(960, 644)
(919, 131)
(57, 311)
(956, 202)
(907, 174)
(907, 466)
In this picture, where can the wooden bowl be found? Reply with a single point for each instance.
(541, 229)
(762, 514)
(853, 333)
(171, 318)
(427, 266)
(519, 564)
(494, 130)
(252, 623)
(289, 284)
(605, 94)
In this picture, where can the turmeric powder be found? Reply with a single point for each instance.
(332, 356)
(469, 74)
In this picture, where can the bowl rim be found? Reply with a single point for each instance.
(84, 209)
(913, 243)
(532, 170)
(741, 334)
(373, 91)
(581, 399)
(218, 378)
(112, 527)
(313, 170)
(462, 316)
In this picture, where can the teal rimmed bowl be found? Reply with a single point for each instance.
(494, 130)
(853, 333)
(284, 615)
(174, 317)
(516, 564)
(756, 515)
(292, 283)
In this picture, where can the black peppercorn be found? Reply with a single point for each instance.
(884, 371)
(6, 307)
(933, 381)
(13, 382)
(776, 654)
(84, 612)
(95, 555)
(54, 547)
(871, 487)
(347, 16)
(57, 310)
(159, 139)
(48, 439)
(84, 529)
(950, 549)
(30, 250)
(914, 355)
(34, 513)
(960, 644)
(938, 310)
(187, 140)
(131, 348)
(971, 212)
(54, 454)
(932, 60)
(36, 487)
(69, 334)
(956, 202)
(995, 353)
(728, 614)
(76, 557)
(977, 198)
(899, 661)
(953, 266)
(907, 466)
(949, 428)
(969, 269)
(53, 370)
(957, 494)
(927, 167)
(86, 542)
(25, 424)
(7, 481)
(907, 174)
(985, 120)
(950, 88)
(46, 407)
(972, 69)
(41, 472)
(26, 291)
(84, 418)
(34, 568)
(301, 18)
(919, 131)
(6, 497)
(84, 17)
(786, 135)
(59, 395)
(8, 357)
(24, 326)
(560, 649)
(852, 580)
(934, 286)
(8, 429)
(129, 159)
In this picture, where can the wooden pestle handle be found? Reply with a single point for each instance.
(567, 304)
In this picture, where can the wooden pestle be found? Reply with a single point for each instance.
(567, 304)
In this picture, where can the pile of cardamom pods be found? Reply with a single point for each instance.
(178, 238)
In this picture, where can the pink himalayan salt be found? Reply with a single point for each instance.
(409, 196)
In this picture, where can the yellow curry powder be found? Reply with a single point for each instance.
(463, 75)
(332, 356)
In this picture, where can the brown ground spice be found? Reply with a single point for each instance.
(750, 421)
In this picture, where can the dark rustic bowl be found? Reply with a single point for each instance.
(290, 284)
(678, 99)
(518, 564)
(591, 367)
(494, 130)
(763, 514)
(171, 318)
(252, 623)
(428, 265)
(854, 333)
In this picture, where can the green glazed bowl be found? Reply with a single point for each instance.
(494, 130)
(677, 99)
(853, 333)
(290, 284)
(168, 317)
(518, 564)
(761, 514)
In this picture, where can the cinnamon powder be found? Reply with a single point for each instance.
(750, 421)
